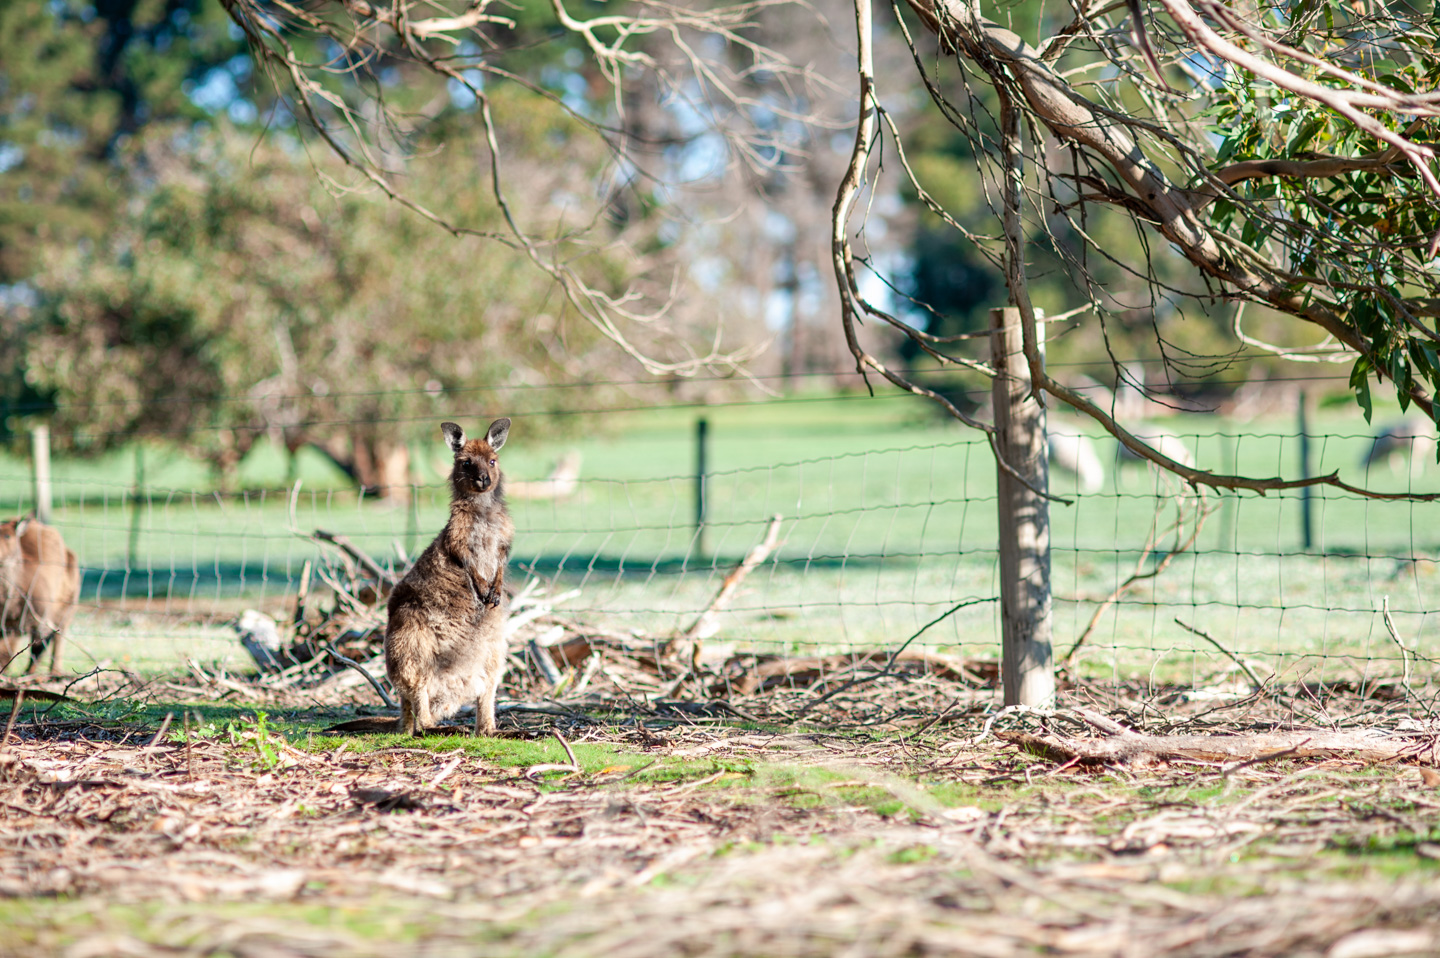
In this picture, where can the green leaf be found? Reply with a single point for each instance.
(1428, 361)
(1360, 384)
(1397, 82)
(1302, 136)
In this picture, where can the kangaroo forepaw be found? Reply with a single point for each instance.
(492, 599)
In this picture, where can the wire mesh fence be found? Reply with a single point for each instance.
(887, 536)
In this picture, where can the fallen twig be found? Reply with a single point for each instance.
(386, 579)
(1135, 747)
(208, 679)
(444, 773)
(1254, 679)
(301, 593)
(374, 683)
(1261, 759)
(566, 746)
(894, 656)
(707, 623)
(164, 727)
(544, 664)
(1405, 654)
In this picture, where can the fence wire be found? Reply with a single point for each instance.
(879, 539)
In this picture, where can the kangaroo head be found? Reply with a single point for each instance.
(477, 470)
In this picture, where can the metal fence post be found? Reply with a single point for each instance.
(137, 497)
(1306, 537)
(702, 428)
(40, 463)
(1027, 665)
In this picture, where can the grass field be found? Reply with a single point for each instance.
(888, 523)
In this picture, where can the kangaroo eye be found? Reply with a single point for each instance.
(492, 462)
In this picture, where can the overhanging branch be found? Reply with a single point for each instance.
(1172, 209)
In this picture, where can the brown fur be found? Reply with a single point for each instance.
(39, 587)
(444, 644)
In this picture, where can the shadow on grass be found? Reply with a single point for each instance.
(231, 580)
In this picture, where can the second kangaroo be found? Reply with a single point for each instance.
(444, 644)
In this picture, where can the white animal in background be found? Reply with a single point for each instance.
(1092, 389)
(261, 638)
(1077, 454)
(1412, 437)
(1166, 443)
(562, 482)
(1131, 402)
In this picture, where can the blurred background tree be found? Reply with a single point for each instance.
(180, 262)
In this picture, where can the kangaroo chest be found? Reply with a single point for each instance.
(481, 542)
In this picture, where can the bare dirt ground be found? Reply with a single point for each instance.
(892, 819)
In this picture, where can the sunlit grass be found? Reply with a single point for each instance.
(888, 524)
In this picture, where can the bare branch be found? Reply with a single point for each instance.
(1327, 351)
(397, 19)
(344, 130)
(1318, 167)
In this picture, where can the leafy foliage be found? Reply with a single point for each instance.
(185, 265)
(1359, 237)
(243, 298)
(77, 81)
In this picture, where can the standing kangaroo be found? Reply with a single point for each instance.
(39, 587)
(444, 644)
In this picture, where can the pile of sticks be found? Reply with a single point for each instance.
(335, 651)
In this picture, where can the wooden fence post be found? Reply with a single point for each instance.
(40, 462)
(1027, 666)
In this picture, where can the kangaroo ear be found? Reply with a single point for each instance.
(20, 526)
(499, 429)
(454, 435)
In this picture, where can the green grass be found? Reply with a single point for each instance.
(57, 924)
(889, 522)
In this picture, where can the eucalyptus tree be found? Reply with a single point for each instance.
(1279, 150)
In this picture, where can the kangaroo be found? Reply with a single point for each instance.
(39, 587)
(444, 644)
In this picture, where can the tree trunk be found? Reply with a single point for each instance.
(1024, 520)
(380, 467)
